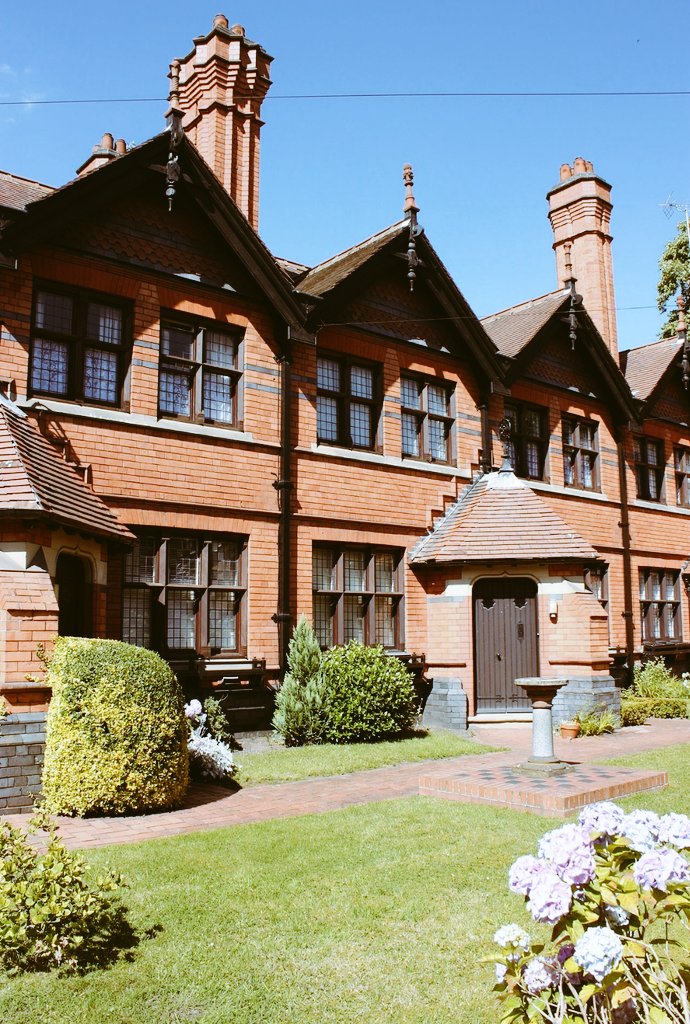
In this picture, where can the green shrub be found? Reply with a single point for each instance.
(655, 679)
(52, 914)
(367, 695)
(636, 710)
(298, 716)
(596, 721)
(217, 723)
(116, 739)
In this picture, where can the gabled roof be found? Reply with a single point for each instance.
(36, 482)
(645, 366)
(326, 276)
(513, 328)
(16, 193)
(500, 518)
(44, 215)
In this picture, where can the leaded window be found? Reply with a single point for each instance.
(681, 462)
(347, 402)
(580, 453)
(660, 605)
(529, 440)
(426, 419)
(357, 595)
(80, 343)
(185, 593)
(200, 372)
(649, 468)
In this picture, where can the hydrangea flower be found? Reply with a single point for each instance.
(538, 975)
(641, 829)
(674, 829)
(523, 873)
(549, 897)
(193, 709)
(511, 936)
(598, 951)
(604, 817)
(213, 757)
(501, 971)
(570, 852)
(656, 868)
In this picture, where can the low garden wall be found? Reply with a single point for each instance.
(583, 692)
(22, 745)
(446, 705)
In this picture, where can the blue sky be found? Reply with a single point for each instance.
(331, 169)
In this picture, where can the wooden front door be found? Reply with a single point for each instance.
(74, 595)
(505, 642)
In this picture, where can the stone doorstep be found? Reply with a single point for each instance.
(559, 797)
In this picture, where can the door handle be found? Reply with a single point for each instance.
(498, 656)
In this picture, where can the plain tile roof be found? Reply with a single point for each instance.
(645, 366)
(16, 193)
(511, 329)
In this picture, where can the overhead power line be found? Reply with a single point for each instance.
(506, 94)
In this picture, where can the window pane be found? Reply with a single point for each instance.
(175, 392)
(328, 375)
(218, 397)
(224, 563)
(409, 393)
(437, 400)
(323, 620)
(100, 375)
(140, 562)
(183, 560)
(219, 349)
(385, 622)
(104, 323)
(222, 620)
(643, 586)
(438, 440)
(637, 452)
(136, 617)
(651, 453)
(49, 367)
(532, 423)
(569, 459)
(588, 470)
(568, 432)
(652, 484)
(323, 569)
(655, 586)
(670, 621)
(669, 586)
(511, 455)
(178, 342)
(353, 618)
(54, 312)
(656, 621)
(360, 425)
(361, 382)
(588, 435)
(181, 619)
(385, 573)
(326, 418)
(533, 460)
(410, 434)
(355, 570)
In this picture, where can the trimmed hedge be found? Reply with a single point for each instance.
(636, 710)
(116, 738)
(367, 695)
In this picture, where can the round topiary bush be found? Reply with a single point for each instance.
(367, 695)
(116, 738)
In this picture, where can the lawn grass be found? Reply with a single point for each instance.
(293, 763)
(376, 913)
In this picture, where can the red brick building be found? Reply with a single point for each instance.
(203, 442)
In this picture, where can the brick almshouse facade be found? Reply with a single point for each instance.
(202, 442)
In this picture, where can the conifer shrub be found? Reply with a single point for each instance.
(367, 695)
(116, 738)
(298, 715)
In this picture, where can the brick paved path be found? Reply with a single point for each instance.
(211, 807)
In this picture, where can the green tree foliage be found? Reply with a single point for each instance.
(298, 710)
(674, 266)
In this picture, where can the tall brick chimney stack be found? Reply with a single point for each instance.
(219, 88)
(580, 214)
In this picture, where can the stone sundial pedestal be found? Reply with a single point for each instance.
(542, 761)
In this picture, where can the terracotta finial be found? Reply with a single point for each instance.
(174, 77)
(408, 179)
(680, 302)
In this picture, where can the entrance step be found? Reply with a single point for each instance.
(508, 716)
(557, 797)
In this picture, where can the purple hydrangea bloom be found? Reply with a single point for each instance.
(193, 709)
(598, 951)
(549, 898)
(674, 829)
(604, 817)
(538, 975)
(501, 971)
(570, 852)
(641, 829)
(523, 873)
(656, 868)
(511, 936)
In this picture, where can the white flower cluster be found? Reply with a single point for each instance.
(213, 758)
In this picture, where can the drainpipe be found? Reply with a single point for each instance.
(486, 456)
(283, 616)
(624, 525)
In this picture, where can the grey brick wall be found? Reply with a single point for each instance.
(581, 692)
(22, 744)
(446, 705)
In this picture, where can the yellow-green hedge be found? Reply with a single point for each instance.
(116, 738)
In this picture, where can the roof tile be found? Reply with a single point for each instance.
(512, 329)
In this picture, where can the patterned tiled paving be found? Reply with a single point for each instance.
(557, 796)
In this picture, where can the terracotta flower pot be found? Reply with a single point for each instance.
(569, 730)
